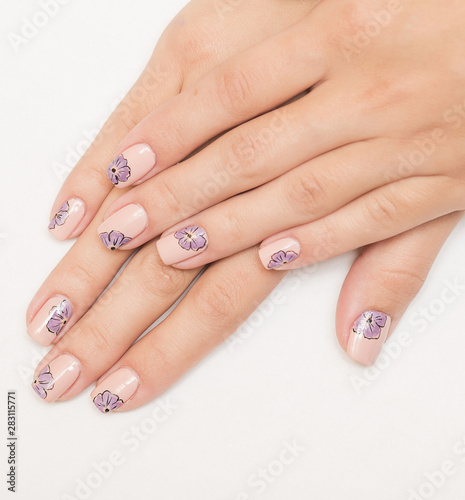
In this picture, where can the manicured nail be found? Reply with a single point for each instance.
(182, 245)
(56, 378)
(131, 165)
(65, 221)
(279, 253)
(115, 390)
(124, 225)
(368, 336)
(50, 321)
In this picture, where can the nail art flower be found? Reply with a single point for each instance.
(60, 217)
(43, 382)
(191, 238)
(59, 317)
(114, 239)
(107, 401)
(118, 170)
(370, 324)
(280, 258)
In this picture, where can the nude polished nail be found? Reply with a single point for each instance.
(279, 253)
(182, 245)
(124, 225)
(56, 378)
(368, 336)
(65, 221)
(131, 165)
(51, 320)
(115, 390)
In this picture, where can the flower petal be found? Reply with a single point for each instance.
(380, 319)
(185, 243)
(65, 309)
(198, 242)
(123, 174)
(180, 234)
(120, 162)
(40, 391)
(290, 256)
(372, 331)
(55, 324)
(105, 239)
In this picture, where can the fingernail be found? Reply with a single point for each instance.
(124, 225)
(279, 253)
(368, 336)
(50, 321)
(131, 165)
(65, 221)
(56, 378)
(115, 390)
(182, 245)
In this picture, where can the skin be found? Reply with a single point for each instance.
(337, 169)
(387, 274)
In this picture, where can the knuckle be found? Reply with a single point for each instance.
(96, 338)
(382, 210)
(401, 284)
(216, 302)
(158, 280)
(84, 276)
(192, 45)
(243, 154)
(306, 194)
(233, 89)
(169, 133)
(171, 200)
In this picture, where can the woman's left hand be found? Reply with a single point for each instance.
(374, 149)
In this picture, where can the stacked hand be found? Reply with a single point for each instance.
(319, 130)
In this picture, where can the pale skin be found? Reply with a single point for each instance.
(403, 238)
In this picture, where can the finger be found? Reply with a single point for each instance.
(78, 279)
(141, 294)
(381, 284)
(87, 184)
(380, 214)
(241, 88)
(216, 305)
(304, 194)
(238, 162)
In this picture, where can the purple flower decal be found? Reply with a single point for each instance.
(43, 382)
(114, 239)
(278, 259)
(59, 317)
(369, 324)
(60, 217)
(107, 401)
(118, 170)
(191, 238)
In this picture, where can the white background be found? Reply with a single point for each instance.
(288, 381)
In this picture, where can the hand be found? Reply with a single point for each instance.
(373, 150)
(100, 343)
(98, 336)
